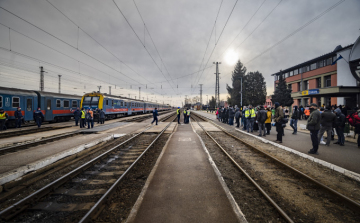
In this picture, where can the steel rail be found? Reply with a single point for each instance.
(99, 206)
(272, 202)
(30, 131)
(345, 198)
(21, 205)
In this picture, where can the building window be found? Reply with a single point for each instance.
(329, 61)
(334, 58)
(321, 63)
(291, 73)
(306, 85)
(299, 86)
(58, 103)
(306, 100)
(318, 82)
(66, 104)
(313, 66)
(74, 104)
(327, 81)
(287, 74)
(290, 86)
(1, 101)
(296, 72)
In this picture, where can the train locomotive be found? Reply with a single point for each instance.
(55, 106)
(116, 106)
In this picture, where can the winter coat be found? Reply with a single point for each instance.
(269, 114)
(102, 114)
(77, 114)
(314, 120)
(155, 113)
(327, 119)
(340, 118)
(238, 113)
(261, 116)
(38, 114)
(296, 113)
(231, 113)
(279, 114)
(18, 114)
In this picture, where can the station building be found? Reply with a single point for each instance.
(318, 81)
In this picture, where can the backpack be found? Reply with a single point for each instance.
(352, 120)
(88, 116)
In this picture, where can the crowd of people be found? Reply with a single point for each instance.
(319, 120)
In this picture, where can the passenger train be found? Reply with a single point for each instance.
(116, 106)
(54, 106)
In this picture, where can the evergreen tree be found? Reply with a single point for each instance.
(255, 89)
(282, 93)
(212, 102)
(234, 91)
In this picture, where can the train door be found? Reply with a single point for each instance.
(29, 108)
(48, 111)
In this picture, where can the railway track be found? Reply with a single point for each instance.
(81, 194)
(29, 131)
(294, 194)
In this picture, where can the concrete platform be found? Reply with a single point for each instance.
(208, 126)
(347, 156)
(184, 187)
(104, 127)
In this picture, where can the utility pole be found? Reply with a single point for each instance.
(110, 90)
(207, 99)
(59, 83)
(201, 93)
(217, 84)
(139, 93)
(99, 88)
(42, 78)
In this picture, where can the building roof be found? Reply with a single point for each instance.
(325, 56)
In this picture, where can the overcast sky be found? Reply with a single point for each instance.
(99, 47)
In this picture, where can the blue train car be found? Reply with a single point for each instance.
(57, 107)
(12, 98)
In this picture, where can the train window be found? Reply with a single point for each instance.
(29, 104)
(125, 104)
(66, 104)
(74, 104)
(15, 102)
(58, 103)
(48, 104)
(107, 102)
(112, 102)
(1, 101)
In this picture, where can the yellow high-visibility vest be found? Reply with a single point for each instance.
(250, 113)
(3, 115)
(82, 114)
(178, 111)
(188, 113)
(185, 112)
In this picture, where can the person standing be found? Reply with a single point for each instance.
(231, 116)
(19, 117)
(82, 118)
(243, 118)
(261, 118)
(339, 126)
(250, 115)
(188, 116)
(185, 113)
(155, 116)
(3, 118)
(38, 116)
(90, 118)
(294, 119)
(77, 115)
(278, 118)
(357, 126)
(237, 117)
(326, 124)
(268, 121)
(178, 114)
(102, 116)
(313, 125)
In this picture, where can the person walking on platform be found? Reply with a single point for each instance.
(185, 114)
(77, 115)
(339, 126)
(82, 118)
(178, 114)
(3, 118)
(231, 116)
(268, 121)
(19, 117)
(313, 125)
(250, 116)
(278, 118)
(294, 119)
(102, 116)
(38, 117)
(90, 118)
(155, 116)
(188, 116)
(237, 117)
(326, 124)
(261, 118)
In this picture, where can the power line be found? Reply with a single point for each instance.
(297, 30)
(141, 42)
